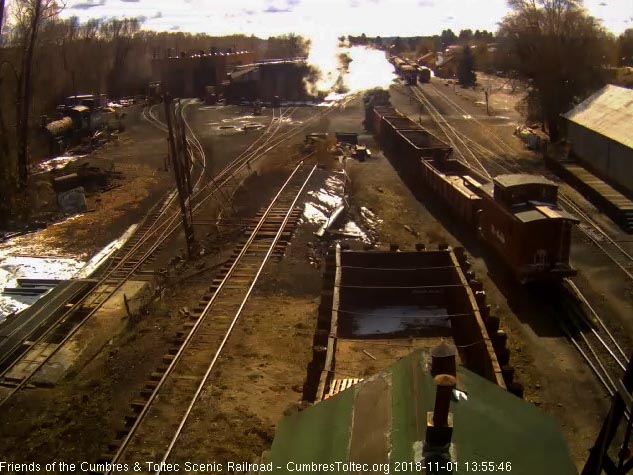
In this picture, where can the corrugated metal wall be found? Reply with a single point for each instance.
(612, 159)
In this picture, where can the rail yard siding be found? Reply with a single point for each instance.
(509, 219)
(608, 157)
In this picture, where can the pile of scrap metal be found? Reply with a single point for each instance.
(347, 146)
(527, 135)
(312, 140)
(73, 181)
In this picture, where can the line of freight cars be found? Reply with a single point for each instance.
(410, 72)
(516, 215)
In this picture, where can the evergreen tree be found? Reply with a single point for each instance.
(465, 71)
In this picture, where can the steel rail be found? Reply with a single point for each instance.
(271, 248)
(611, 346)
(577, 210)
(581, 297)
(193, 331)
(438, 117)
(490, 133)
(153, 229)
(582, 352)
(168, 227)
(443, 128)
(568, 202)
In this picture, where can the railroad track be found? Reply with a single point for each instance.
(488, 132)
(112, 275)
(588, 228)
(454, 137)
(592, 230)
(156, 228)
(160, 416)
(581, 323)
(591, 337)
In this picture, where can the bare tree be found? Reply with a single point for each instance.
(559, 48)
(1, 17)
(30, 15)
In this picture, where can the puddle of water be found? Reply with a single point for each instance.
(352, 230)
(395, 319)
(323, 202)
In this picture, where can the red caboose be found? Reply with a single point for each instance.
(520, 220)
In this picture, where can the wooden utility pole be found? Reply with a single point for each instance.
(186, 155)
(622, 402)
(178, 164)
(487, 98)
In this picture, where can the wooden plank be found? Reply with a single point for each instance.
(550, 213)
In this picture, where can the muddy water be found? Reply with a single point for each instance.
(323, 206)
(395, 319)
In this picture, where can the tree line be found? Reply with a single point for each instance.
(560, 50)
(45, 58)
(555, 46)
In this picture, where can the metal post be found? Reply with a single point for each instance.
(445, 385)
(487, 106)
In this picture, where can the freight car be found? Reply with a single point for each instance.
(515, 215)
(408, 71)
(424, 74)
(409, 75)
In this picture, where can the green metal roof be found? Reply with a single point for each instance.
(383, 419)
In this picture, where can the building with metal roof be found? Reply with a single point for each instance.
(266, 80)
(407, 419)
(189, 74)
(599, 131)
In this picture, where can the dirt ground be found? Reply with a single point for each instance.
(554, 375)
(260, 376)
(82, 413)
(137, 154)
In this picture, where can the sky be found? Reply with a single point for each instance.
(325, 17)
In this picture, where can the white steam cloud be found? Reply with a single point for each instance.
(367, 68)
